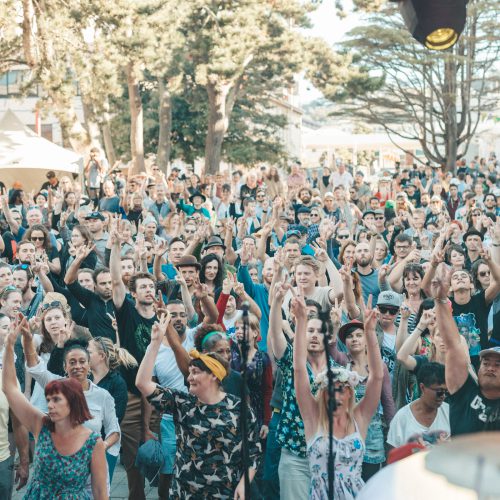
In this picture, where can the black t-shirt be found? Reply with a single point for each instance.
(135, 336)
(471, 412)
(472, 322)
(99, 322)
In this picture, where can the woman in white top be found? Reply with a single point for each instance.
(426, 414)
(350, 420)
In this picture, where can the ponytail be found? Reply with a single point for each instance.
(115, 356)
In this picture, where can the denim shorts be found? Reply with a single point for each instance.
(167, 437)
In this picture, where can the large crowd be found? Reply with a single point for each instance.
(343, 320)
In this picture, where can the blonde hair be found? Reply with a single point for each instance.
(253, 324)
(114, 355)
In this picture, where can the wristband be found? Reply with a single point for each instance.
(442, 301)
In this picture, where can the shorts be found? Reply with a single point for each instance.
(168, 443)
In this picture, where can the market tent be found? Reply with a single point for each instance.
(27, 157)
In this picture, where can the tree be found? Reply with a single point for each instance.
(432, 97)
(230, 42)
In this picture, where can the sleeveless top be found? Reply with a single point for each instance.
(349, 452)
(61, 477)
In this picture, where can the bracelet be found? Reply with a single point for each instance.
(442, 301)
(32, 353)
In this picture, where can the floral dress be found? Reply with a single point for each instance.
(349, 452)
(208, 461)
(60, 477)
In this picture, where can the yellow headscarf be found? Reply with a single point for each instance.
(211, 363)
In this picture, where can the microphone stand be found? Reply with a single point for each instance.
(332, 407)
(244, 398)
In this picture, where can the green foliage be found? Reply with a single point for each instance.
(429, 96)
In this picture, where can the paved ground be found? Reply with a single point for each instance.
(119, 489)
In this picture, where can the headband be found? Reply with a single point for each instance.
(210, 334)
(211, 363)
(340, 374)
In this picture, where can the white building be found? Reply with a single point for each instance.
(25, 107)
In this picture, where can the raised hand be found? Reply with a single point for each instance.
(370, 314)
(405, 310)
(298, 307)
(200, 289)
(336, 313)
(280, 290)
(159, 305)
(160, 248)
(179, 278)
(319, 252)
(84, 251)
(227, 284)
(440, 284)
(159, 329)
(245, 255)
(426, 319)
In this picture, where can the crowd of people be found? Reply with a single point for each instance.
(352, 318)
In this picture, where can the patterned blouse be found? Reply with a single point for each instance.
(291, 427)
(208, 459)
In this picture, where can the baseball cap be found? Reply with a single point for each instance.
(304, 210)
(389, 298)
(94, 215)
(490, 350)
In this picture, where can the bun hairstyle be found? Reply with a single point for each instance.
(75, 344)
(114, 355)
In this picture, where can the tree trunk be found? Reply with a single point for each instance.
(450, 99)
(216, 127)
(136, 119)
(74, 134)
(165, 119)
(91, 123)
(28, 48)
(107, 139)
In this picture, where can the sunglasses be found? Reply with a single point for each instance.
(390, 310)
(380, 217)
(38, 238)
(189, 231)
(477, 214)
(440, 393)
(24, 267)
(50, 305)
(342, 236)
(484, 273)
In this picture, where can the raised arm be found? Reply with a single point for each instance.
(353, 310)
(436, 258)
(456, 356)
(144, 379)
(14, 226)
(368, 405)
(493, 289)
(81, 254)
(119, 290)
(159, 249)
(181, 355)
(307, 404)
(231, 255)
(275, 334)
(409, 344)
(28, 415)
(185, 295)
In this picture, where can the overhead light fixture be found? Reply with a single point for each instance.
(436, 24)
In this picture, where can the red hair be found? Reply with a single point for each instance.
(73, 392)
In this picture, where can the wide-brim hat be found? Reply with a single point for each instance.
(195, 194)
(188, 261)
(214, 241)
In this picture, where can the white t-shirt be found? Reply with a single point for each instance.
(166, 370)
(404, 425)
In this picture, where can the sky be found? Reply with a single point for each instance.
(326, 25)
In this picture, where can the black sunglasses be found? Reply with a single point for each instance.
(38, 238)
(342, 236)
(50, 305)
(440, 393)
(390, 310)
(380, 217)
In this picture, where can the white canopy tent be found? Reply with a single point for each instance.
(27, 157)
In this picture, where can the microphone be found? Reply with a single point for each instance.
(245, 307)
